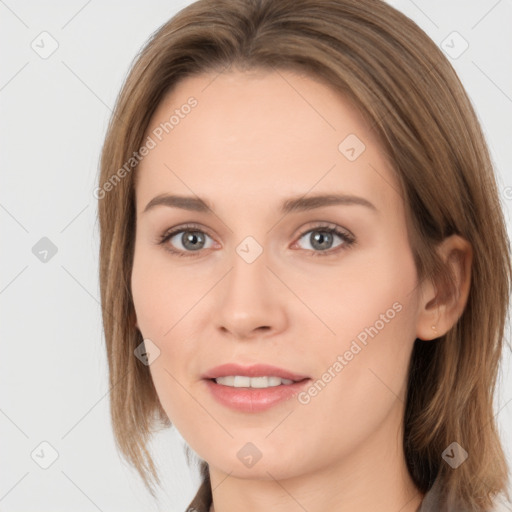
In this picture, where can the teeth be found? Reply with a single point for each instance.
(241, 381)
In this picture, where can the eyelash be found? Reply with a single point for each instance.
(348, 239)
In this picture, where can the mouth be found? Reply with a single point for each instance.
(242, 381)
(253, 388)
(253, 371)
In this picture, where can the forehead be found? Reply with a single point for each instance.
(267, 134)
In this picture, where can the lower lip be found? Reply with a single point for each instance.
(254, 399)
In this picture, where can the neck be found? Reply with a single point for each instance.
(372, 477)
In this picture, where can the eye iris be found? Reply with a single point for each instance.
(192, 237)
(324, 239)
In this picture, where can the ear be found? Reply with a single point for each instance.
(441, 305)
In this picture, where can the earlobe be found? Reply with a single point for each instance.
(443, 301)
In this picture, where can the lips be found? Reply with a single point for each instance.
(254, 370)
(253, 399)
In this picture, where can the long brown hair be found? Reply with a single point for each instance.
(405, 87)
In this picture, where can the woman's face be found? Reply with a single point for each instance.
(257, 280)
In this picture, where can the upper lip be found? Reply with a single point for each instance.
(253, 370)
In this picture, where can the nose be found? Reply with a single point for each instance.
(251, 302)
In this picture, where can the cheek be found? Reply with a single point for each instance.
(156, 294)
(372, 311)
(361, 379)
(368, 288)
(164, 309)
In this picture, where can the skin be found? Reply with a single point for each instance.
(254, 140)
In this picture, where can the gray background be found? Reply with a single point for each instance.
(53, 117)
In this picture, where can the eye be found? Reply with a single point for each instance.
(321, 238)
(186, 239)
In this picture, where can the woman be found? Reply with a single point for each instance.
(304, 261)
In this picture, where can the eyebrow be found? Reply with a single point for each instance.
(294, 204)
